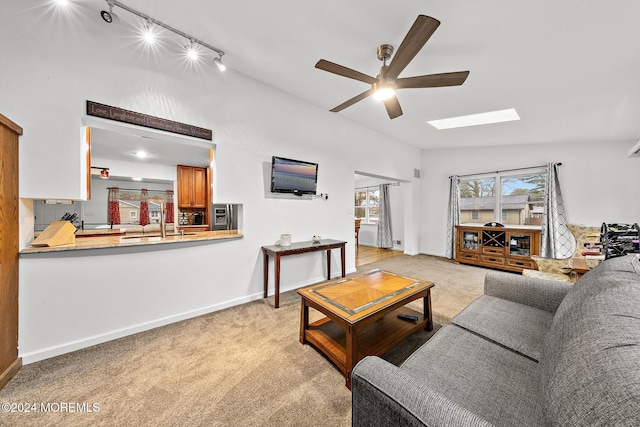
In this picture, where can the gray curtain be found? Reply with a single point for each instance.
(453, 217)
(384, 239)
(557, 241)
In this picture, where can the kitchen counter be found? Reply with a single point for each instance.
(136, 240)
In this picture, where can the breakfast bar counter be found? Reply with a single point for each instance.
(99, 242)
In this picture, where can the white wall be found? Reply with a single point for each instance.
(78, 299)
(599, 183)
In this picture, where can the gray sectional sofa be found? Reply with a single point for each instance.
(529, 352)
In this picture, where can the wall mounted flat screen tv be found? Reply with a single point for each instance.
(293, 176)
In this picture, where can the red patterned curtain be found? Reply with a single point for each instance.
(144, 207)
(168, 202)
(114, 205)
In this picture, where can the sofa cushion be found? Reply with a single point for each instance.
(516, 326)
(590, 366)
(497, 384)
(596, 280)
(627, 263)
(385, 395)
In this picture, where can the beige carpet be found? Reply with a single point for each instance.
(457, 285)
(241, 366)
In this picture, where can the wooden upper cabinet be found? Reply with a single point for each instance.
(192, 187)
(200, 188)
(184, 186)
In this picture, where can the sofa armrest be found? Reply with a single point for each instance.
(385, 395)
(539, 293)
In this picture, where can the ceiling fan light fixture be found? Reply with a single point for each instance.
(383, 91)
(384, 86)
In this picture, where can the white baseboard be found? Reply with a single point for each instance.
(68, 347)
(46, 353)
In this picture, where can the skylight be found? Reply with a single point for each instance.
(476, 119)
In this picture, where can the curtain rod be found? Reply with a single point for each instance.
(394, 183)
(506, 170)
(139, 189)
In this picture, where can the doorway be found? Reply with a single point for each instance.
(366, 208)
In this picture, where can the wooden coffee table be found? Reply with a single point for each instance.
(362, 314)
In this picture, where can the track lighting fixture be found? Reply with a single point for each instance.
(149, 33)
(110, 16)
(192, 51)
(219, 64)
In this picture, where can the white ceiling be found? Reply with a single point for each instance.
(571, 68)
(123, 146)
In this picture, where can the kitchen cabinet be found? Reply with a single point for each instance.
(193, 197)
(10, 363)
(503, 248)
(192, 187)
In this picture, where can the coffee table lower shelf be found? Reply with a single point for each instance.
(375, 339)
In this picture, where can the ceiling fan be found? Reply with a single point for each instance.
(385, 84)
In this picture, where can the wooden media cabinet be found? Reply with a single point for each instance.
(505, 248)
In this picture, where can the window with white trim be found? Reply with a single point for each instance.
(367, 204)
(514, 198)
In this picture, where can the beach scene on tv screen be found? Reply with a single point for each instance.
(291, 175)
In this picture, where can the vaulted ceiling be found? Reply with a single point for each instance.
(570, 68)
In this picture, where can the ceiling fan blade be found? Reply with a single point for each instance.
(433, 80)
(344, 71)
(352, 101)
(420, 31)
(393, 107)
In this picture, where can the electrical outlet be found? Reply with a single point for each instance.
(398, 242)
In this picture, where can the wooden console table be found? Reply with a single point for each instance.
(277, 251)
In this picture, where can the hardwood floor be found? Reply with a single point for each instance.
(369, 254)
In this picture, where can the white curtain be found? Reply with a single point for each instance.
(384, 239)
(557, 241)
(453, 217)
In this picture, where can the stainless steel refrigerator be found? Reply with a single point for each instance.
(224, 216)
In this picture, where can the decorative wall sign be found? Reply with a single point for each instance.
(134, 118)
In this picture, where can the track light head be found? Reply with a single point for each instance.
(219, 64)
(106, 16)
(110, 16)
(192, 51)
(148, 33)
